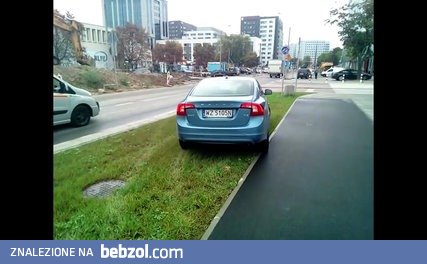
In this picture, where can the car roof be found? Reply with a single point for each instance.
(230, 77)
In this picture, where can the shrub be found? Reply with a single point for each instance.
(92, 79)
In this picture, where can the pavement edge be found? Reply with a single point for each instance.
(230, 198)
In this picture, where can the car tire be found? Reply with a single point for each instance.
(340, 78)
(183, 144)
(264, 145)
(80, 116)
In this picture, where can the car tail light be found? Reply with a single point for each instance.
(182, 107)
(256, 109)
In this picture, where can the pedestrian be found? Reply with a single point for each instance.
(168, 78)
(315, 74)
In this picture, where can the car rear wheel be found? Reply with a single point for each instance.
(183, 144)
(264, 145)
(80, 116)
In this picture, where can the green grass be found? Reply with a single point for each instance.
(169, 193)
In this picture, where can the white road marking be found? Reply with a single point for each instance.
(128, 103)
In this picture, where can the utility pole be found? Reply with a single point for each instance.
(299, 50)
(284, 70)
(220, 50)
(112, 46)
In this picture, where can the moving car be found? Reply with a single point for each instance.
(328, 73)
(350, 74)
(303, 73)
(226, 110)
(71, 104)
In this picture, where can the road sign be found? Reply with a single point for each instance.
(285, 49)
(287, 57)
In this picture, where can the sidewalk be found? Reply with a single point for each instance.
(316, 182)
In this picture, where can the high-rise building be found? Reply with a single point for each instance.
(312, 48)
(269, 30)
(152, 15)
(177, 29)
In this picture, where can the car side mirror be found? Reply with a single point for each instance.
(268, 92)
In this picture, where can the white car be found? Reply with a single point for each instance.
(328, 73)
(71, 104)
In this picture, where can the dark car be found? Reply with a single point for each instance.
(218, 73)
(233, 71)
(230, 110)
(350, 74)
(303, 73)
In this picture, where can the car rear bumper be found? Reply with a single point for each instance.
(247, 134)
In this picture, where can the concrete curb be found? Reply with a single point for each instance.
(230, 198)
(109, 132)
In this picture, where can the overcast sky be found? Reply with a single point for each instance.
(304, 17)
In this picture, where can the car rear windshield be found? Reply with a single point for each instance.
(224, 87)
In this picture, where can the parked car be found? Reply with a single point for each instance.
(328, 73)
(350, 74)
(71, 104)
(218, 73)
(234, 71)
(228, 110)
(303, 73)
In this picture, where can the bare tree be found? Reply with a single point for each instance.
(62, 47)
(171, 52)
(204, 54)
(132, 47)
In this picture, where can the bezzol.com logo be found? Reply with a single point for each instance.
(141, 252)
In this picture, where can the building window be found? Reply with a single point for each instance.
(88, 34)
(94, 35)
(99, 35)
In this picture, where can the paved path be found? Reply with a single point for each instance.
(316, 181)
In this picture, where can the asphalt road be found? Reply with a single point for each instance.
(123, 108)
(316, 182)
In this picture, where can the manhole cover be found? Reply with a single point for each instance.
(103, 189)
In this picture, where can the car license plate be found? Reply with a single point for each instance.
(218, 113)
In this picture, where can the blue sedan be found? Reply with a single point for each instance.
(226, 110)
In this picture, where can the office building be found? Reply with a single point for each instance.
(312, 48)
(177, 29)
(269, 30)
(152, 15)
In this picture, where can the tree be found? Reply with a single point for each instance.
(171, 52)
(250, 59)
(132, 46)
(306, 62)
(235, 47)
(333, 56)
(203, 54)
(356, 23)
(62, 47)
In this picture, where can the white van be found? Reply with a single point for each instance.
(71, 104)
(275, 68)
